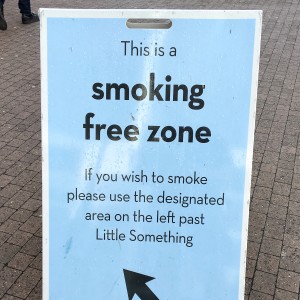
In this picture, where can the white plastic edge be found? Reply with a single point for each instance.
(249, 155)
(46, 13)
(45, 162)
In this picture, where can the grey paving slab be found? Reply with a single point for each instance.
(273, 266)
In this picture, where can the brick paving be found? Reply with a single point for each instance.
(273, 265)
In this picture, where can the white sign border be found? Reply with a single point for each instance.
(46, 13)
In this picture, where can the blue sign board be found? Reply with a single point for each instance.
(147, 152)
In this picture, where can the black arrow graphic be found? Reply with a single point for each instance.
(136, 284)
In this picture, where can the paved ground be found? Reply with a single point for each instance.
(273, 266)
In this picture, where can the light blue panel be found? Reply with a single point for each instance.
(216, 53)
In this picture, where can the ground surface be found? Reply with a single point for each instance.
(273, 265)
